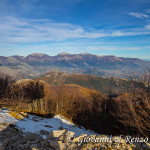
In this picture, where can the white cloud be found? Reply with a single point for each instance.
(147, 10)
(131, 48)
(19, 30)
(22, 30)
(138, 15)
(100, 48)
(111, 48)
(147, 27)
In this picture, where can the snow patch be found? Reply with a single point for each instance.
(5, 117)
(35, 124)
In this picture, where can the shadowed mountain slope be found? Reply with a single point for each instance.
(104, 84)
(36, 64)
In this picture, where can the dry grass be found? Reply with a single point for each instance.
(16, 115)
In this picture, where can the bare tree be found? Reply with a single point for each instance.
(5, 84)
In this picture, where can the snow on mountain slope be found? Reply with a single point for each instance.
(6, 117)
(35, 124)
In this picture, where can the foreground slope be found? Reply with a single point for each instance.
(38, 133)
(35, 124)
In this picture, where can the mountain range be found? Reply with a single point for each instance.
(37, 64)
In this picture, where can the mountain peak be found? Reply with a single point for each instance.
(86, 54)
(61, 54)
(37, 54)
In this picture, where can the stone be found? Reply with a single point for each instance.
(58, 145)
(23, 114)
(35, 149)
(2, 148)
(16, 115)
(48, 126)
(55, 134)
(27, 145)
(21, 147)
(142, 146)
(81, 137)
(45, 143)
(60, 135)
(43, 132)
(34, 146)
(32, 137)
(12, 140)
(5, 142)
(75, 140)
(133, 146)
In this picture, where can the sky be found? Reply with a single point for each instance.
(101, 27)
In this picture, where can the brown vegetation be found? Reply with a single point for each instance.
(27, 90)
(126, 114)
(5, 84)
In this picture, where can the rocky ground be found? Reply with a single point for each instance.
(13, 138)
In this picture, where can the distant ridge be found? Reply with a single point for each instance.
(36, 64)
(64, 54)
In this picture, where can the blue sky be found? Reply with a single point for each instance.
(102, 27)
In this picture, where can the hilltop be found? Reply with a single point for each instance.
(103, 84)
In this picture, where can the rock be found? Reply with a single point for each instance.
(2, 148)
(27, 145)
(16, 115)
(54, 135)
(133, 146)
(142, 146)
(73, 147)
(5, 142)
(48, 126)
(21, 147)
(34, 146)
(16, 143)
(116, 139)
(61, 128)
(43, 132)
(35, 119)
(23, 114)
(81, 137)
(89, 146)
(60, 135)
(2, 108)
(58, 140)
(75, 140)
(35, 149)
(146, 145)
(58, 145)
(32, 137)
